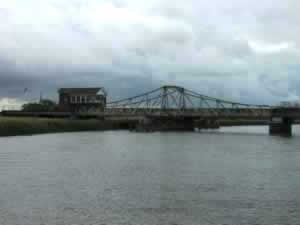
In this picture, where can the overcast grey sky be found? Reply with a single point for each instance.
(241, 50)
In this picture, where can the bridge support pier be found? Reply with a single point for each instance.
(165, 124)
(281, 126)
(207, 124)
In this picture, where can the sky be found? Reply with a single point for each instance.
(240, 50)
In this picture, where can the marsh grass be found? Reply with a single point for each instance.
(13, 126)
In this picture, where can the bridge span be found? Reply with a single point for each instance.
(177, 108)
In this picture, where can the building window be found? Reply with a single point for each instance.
(99, 98)
(77, 99)
(92, 99)
(83, 99)
(88, 99)
(73, 99)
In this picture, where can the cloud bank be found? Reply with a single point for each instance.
(245, 51)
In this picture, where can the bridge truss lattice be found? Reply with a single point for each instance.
(178, 99)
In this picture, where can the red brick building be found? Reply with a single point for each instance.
(82, 99)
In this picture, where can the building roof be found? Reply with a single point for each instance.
(81, 90)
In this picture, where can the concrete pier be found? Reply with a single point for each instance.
(281, 126)
(207, 124)
(165, 124)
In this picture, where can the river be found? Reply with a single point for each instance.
(231, 176)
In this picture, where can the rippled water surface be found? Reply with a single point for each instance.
(232, 176)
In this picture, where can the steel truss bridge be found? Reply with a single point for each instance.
(175, 101)
(177, 108)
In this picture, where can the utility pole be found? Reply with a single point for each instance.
(41, 96)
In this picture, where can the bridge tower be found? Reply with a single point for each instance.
(182, 103)
(164, 100)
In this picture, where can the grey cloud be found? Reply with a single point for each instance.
(131, 47)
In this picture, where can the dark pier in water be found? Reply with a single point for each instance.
(282, 120)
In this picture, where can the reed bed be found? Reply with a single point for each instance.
(13, 126)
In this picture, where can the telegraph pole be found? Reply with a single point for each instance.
(41, 96)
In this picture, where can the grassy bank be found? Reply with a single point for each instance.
(27, 126)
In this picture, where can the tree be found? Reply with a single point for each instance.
(44, 105)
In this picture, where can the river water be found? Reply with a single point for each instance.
(231, 176)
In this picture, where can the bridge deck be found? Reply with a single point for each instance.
(254, 113)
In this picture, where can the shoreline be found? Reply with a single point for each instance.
(27, 126)
(23, 126)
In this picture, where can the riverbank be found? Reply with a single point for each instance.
(14, 126)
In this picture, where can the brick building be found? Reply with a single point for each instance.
(82, 99)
